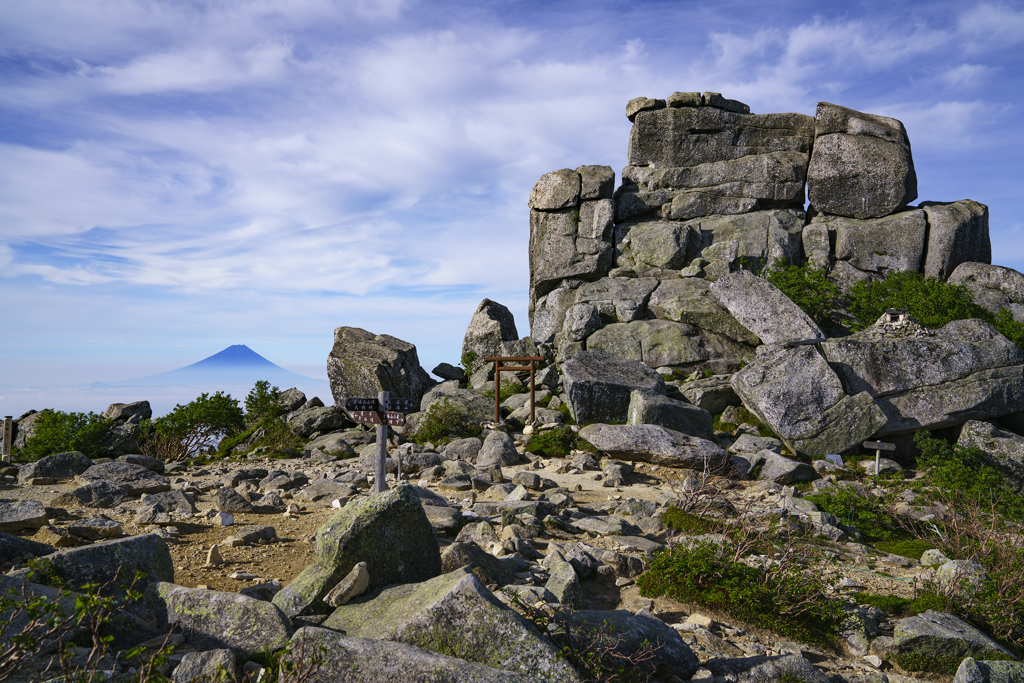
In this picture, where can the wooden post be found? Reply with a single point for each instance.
(498, 369)
(8, 435)
(497, 391)
(379, 472)
(533, 417)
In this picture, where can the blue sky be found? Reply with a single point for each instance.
(176, 177)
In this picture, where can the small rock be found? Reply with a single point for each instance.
(242, 576)
(213, 557)
(353, 585)
(221, 518)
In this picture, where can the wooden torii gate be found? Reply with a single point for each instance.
(498, 369)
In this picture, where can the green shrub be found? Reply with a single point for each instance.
(930, 301)
(912, 548)
(689, 523)
(444, 422)
(853, 507)
(59, 432)
(809, 288)
(786, 601)
(262, 402)
(189, 429)
(468, 362)
(45, 572)
(509, 388)
(963, 473)
(553, 443)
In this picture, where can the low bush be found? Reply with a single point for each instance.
(905, 607)
(777, 596)
(444, 422)
(59, 432)
(689, 523)
(871, 516)
(912, 548)
(553, 443)
(192, 428)
(809, 288)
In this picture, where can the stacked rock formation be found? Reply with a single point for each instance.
(712, 191)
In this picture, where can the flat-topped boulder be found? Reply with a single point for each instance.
(134, 479)
(57, 466)
(993, 287)
(654, 444)
(861, 165)
(599, 385)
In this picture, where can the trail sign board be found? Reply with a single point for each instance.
(362, 404)
(879, 446)
(395, 419)
(366, 417)
(401, 405)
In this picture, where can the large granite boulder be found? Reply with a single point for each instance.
(18, 515)
(13, 548)
(1002, 450)
(658, 409)
(134, 479)
(656, 343)
(713, 394)
(994, 287)
(763, 309)
(124, 412)
(630, 633)
(25, 428)
(828, 397)
(491, 325)
(389, 531)
(455, 614)
(957, 233)
(655, 445)
(214, 619)
(363, 660)
(569, 231)
(797, 394)
(861, 165)
(874, 247)
(307, 421)
(361, 364)
(690, 300)
(599, 385)
(95, 494)
(992, 671)
(944, 636)
(56, 466)
(114, 564)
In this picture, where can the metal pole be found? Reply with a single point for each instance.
(533, 417)
(878, 457)
(8, 434)
(497, 392)
(379, 485)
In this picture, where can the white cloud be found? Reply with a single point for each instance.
(989, 26)
(967, 76)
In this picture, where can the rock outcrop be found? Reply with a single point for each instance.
(361, 364)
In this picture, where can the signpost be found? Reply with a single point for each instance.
(8, 435)
(878, 447)
(383, 412)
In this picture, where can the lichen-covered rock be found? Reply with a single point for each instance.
(763, 309)
(762, 669)
(656, 343)
(491, 325)
(1001, 449)
(556, 190)
(362, 660)
(114, 564)
(993, 287)
(994, 671)
(214, 619)
(470, 404)
(206, 666)
(499, 450)
(632, 632)
(861, 165)
(654, 444)
(57, 466)
(957, 233)
(123, 412)
(713, 394)
(689, 300)
(361, 364)
(965, 370)
(565, 585)
(486, 567)
(937, 635)
(796, 393)
(782, 470)
(226, 499)
(389, 531)
(657, 409)
(599, 385)
(454, 613)
(305, 421)
(135, 479)
(878, 246)
(22, 514)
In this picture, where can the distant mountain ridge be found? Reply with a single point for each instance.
(237, 365)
